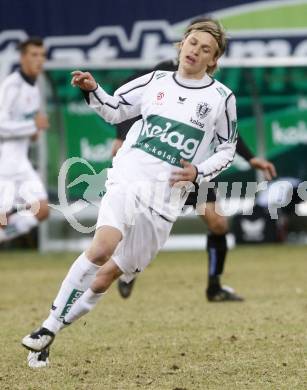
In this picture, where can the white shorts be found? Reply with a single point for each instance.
(20, 189)
(144, 231)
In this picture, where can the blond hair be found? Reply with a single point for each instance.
(214, 28)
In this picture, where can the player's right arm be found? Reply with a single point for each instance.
(10, 126)
(126, 102)
(123, 127)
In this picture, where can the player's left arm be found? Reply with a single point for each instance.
(226, 134)
(268, 168)
(265, 166)
(225, 137)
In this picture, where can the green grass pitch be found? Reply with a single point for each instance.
(166, 336)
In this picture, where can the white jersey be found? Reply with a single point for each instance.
(182, 119)
(19, 103)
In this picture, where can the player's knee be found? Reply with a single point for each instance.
(43, 211)
(44, 214)
(99, 254)
(218, 225)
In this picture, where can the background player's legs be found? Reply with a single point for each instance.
(43, 212)
(26, 206)
(217, 252)
(216, 245)
(16, 223)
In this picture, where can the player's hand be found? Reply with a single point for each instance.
(265, 166)
(36, 135)
(41, 121)
(188, 172)
(116, 145)
(83, 80)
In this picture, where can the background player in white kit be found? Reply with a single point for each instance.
(23, 198)
(183, 113)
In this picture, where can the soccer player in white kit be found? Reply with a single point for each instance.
(23, 198)
(184, 113)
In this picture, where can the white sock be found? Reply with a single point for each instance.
(18, 224)
(85, 304)
(79, 278)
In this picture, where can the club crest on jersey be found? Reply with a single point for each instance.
(202, 110)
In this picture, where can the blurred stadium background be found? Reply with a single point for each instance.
(265, 66)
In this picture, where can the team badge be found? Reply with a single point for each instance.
(202, 110)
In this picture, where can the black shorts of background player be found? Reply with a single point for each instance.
(217, 224)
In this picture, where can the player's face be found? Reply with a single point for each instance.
(198, 51)
(32, 60)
